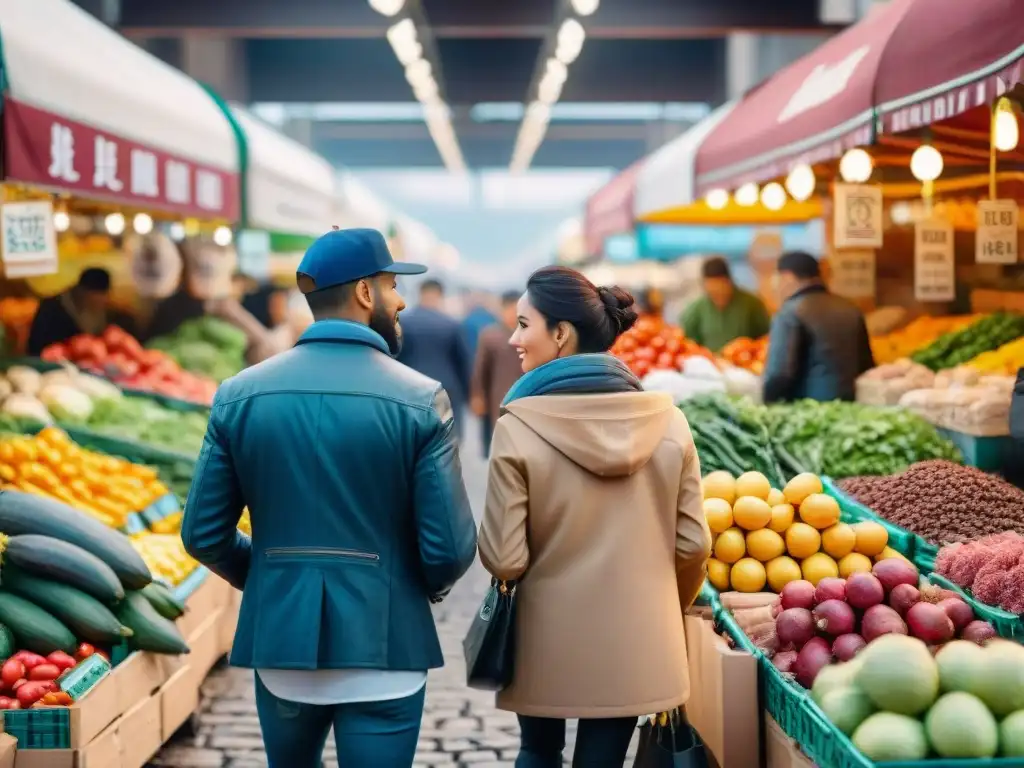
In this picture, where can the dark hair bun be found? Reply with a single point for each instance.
(618, 303)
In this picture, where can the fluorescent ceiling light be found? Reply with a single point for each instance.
(388, 7)
(485, 112)
(585, 7)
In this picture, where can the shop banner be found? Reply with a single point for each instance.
(50, 151)
(156, 264)
(29, 239)
(853, 273)
(996, 241)
(934, 261)
(858, 216)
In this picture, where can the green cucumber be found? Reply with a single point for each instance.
(161, 598)
(22, 513)
(83, 614)
(8, 646)
(152, 631)
(54, 559)
(34, 629)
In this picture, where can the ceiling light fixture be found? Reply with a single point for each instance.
(387, 7)
(571, 37)
(585, 7)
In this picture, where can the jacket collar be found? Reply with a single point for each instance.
(808, 289)
(343, 332)
(577, 374)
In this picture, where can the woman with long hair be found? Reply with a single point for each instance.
(594, 508)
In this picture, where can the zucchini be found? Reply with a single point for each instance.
(22, 513)
(8, 646)
(34, 629)
(54, 559)
(84, 615)
(161, 598)
(152, 631)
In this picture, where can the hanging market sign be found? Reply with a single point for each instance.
(853, 273)
(51, 151)
(996, 241)
(857, 215)
(934, 261)
(29, 239)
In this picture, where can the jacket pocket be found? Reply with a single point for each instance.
(321, 556)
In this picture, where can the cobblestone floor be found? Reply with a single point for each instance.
(461, 727)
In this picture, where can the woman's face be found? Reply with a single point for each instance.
(532, 339)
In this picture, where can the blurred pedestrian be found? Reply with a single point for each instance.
(496, 369)
(725, 311)
(341, 569)
(434, 345)
(594, 507)
(477, 318)
(819, 342)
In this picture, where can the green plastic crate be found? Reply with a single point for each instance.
(900, 539)
(988, 454)
(1007, 625)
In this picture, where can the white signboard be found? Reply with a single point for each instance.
(858, 216)
(156, 264)
(934, 261)
(996, 241)
(210, 270)
(30, 241)
(853, 273)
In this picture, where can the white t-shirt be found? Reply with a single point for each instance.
(341, 686)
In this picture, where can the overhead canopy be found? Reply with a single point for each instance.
(609, 211)
(917, 61)
(288, 188)
(89, 112)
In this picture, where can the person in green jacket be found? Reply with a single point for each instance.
(724, 312)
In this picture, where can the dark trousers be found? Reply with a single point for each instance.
(382, 734)
(599, 743)
(486, 433)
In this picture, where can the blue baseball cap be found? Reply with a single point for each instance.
(346, 255)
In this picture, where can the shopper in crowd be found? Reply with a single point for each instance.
(496, 369)
(819, 342)
(594, 506)
(83, 308)
(435, 346)
(341, 569)
(477, 318)
(652, 303)
(725, 311)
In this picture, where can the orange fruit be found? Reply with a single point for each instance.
(765, 545)
(753, 484)
(853, 563)
(730, 545)
(800, 487)
(782, 517)
(819, 510)
(871, 538)
(748, 575)
(802, 540)
(751, 513)
(718, 514)
(838, 540)
(817, 567)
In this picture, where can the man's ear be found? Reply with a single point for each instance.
(364, 295)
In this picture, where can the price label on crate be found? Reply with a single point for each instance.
(934, 261)
(853, 273)
(996, 241)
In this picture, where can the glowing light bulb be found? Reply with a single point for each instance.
(773, 196)
(717, 199)
(1006, 130)
(855, 166)
(114, 224)
(801, 182)
(61, 221)
(747, 194)
(222, 236)
(926, 163)
(142, 223)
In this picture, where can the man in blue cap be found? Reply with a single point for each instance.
(341, 569)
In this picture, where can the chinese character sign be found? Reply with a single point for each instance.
(934, 261)
(29, 239)
(996, 241)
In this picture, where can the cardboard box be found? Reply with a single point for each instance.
(103, 752)
(780, 750)
(179, 698)
(723, 705)
(8, 748)
(142, 674)
(140, 730)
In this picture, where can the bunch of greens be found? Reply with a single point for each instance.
(145, 421)
(206, 346)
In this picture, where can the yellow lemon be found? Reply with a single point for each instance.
(753, 484)
(719, 485)
(718, 513)
(853, 563)
(819, 510)
(800, 487)
(748, 575)
(775, 497)
(730, 545)
(838, 540)
(781, 571)
(818, 566)
(751, 513)
(871, 538)
(782, 517)
(718, 574)
(765, 545)
(802, 540)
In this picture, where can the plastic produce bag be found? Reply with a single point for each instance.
(681, 387)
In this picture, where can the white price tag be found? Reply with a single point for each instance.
(996, 241)
(29, 239)
(853, 273)
(857, 216)
(934, 261)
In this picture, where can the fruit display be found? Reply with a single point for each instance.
(990, 568)
(118, 356)
(207, 346)
(942, 502)
(1005, 360)
(652, 344)
(749, 354)
(958, 347)
(29, 680)
(899, 702)
(16, 316)
(766, 538)
(165, 556)
(918, 334)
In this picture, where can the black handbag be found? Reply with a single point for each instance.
(490, 644)
(669, 741)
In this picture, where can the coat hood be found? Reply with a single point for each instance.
(609, 435)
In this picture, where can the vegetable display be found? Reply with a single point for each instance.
(1005, 360)
(991, 569)
(145, 421)
(918, 334)
(746, 353)
(165, 555)
(206, 346)
(652, 344)
(988, 333)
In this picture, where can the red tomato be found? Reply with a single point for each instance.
(645, 354)
(55, 353)
(11, 672)
(680, 359)
(45, 672)
(18, 684)
(657, 343)
(61, 659)
(8, 703)
(29, 659)
(673, 345)
(84, 651)
(665, 361)
(641, 368)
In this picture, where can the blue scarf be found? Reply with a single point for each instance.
(575, 375)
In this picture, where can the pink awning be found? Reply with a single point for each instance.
(917, 61)
(609, 211)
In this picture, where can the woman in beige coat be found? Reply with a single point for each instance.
(594, 506)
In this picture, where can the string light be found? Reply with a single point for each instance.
(717, 199)
(856, 166)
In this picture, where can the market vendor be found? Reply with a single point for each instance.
(83, 308)
(725, 311)
(819, 342)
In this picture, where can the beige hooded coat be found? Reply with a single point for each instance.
(594, 503)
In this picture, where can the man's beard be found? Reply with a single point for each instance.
(387, 328)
